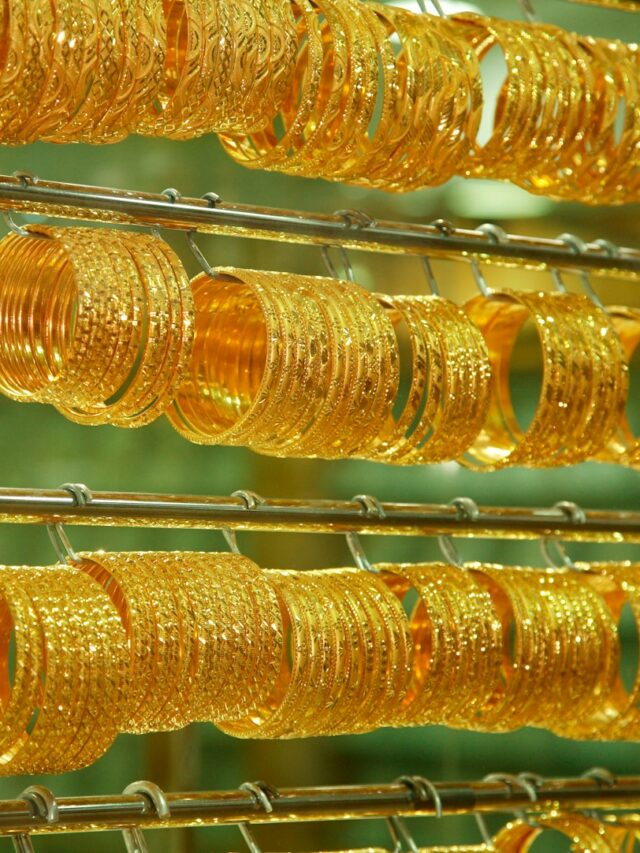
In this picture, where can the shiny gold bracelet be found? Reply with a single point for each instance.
(26, 61)
(300, 688)
(457, 644)
(71, 728)
(22, 694)
(85, 307)
(566, 427)
(587, 835)
(625, 445)
(283, 402)
(449, 392)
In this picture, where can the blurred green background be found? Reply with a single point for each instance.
(41, 449)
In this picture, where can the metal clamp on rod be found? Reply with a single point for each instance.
(29, 194)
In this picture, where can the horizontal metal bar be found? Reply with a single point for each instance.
(98, 204)
(87, 814)
(121, 509)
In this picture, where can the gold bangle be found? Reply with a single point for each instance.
(21, 696)
(27, 53)
(587, 835)
(285, 406)
(457, 644)
(449, 393)
(619, 584)
(566, 427)
(625, 445)
(79, 677)
(75, 321)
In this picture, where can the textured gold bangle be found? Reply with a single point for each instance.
(449, 392)
(97, 316)
(457, 644)
(22, 694)
(71, 728)
(568, 425)
(317, 375)
(27, 54)
(586, 834)
(625, 445)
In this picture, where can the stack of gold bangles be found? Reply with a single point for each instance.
(358, 92)
(555, 129)
(105, 326)
(96, 70)
(138, 642)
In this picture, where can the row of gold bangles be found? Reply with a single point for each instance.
(106, 326)
(153, 641)
(365, 93)
(581, 833)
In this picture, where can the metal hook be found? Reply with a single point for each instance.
(251, 500)
(372, 509)
(466, 510)
(431, 279)
(423, 789)
(435, 4)
(600, 775)
(526, 782)
(579, 247)
(82, 496)
(45, 805)
(603, 778)
(528, 11)
(352, 219)
(175, 195)
(22, 843)
(576, 515)
(607, 247)
(214, 200)
(43, 800)
(497, 235)
(263, 795)
(133, 837)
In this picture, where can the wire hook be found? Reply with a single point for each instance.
(214, 200)
(436, 5)
(352, 219)
(497, 235)
(580, 248)
(82, 496)
(133, 837)
(263, 794)
(604, 779)
(45, 805)
(251, 500)
(372, 509)
(576, 515)
(423, 789)
(526, 783)
(466, 510)
(528, 11)
(429, 275)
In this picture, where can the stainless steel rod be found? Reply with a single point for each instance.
(87, 814)
(29, 194)
(42, 506)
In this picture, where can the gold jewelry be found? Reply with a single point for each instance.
(570, 424)
(94, 316)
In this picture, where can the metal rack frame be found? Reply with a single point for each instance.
(350, 229)
(363, 514)
(401, 799)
